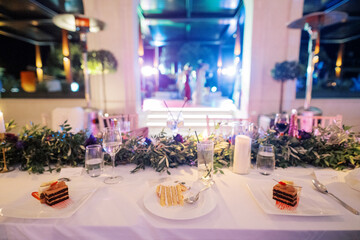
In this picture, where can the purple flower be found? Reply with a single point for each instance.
(20, 145)
(304, 135)
(178, 138)
(90, 141)
(148, 141)
(192, 163)
(11, 138)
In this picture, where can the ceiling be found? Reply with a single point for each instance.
(172, 22)
(30, 20)
(166, 22)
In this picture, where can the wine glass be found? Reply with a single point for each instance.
(111, 144)
(282, 122)
(174, 121)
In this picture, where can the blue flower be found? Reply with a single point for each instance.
(148, 141)
(178, 138)
(90, 141)
(303, 135)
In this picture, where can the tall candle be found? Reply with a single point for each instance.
(242, 154)
(2, 123)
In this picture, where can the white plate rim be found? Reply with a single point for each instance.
(275, 211)
(151, 194)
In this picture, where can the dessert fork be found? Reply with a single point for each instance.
(192, 199)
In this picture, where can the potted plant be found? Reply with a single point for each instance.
(102, 62)
(284, 71)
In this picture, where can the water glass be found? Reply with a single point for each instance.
(265, 160)
(94, 163)
(205, 160)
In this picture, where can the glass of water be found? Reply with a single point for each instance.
(265, 160)
(205, 160)
(94, 163)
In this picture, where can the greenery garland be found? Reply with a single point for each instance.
(37, 149)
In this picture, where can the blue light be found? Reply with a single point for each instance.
(74, 87)
(213, 89)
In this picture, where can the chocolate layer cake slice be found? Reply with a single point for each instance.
(56, 193)
(285, 193)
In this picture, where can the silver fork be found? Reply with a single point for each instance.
(192, 199)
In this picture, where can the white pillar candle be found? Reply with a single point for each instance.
(242, 154)
(2, 123)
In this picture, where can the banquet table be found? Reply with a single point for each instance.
(118, 212)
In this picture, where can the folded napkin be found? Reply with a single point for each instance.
(353, 179)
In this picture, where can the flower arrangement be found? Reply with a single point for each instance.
(37, 149)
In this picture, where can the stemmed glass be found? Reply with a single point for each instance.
(174, 122)
(111, 144)
(282, 122)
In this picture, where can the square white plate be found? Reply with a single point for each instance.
(311, 202)
(29, 207)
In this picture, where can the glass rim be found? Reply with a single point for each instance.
(206, 142)
(93, 146)
(266, 145)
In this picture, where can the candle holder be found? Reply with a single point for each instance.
(2, 141)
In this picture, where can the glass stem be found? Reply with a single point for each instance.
(113, 165)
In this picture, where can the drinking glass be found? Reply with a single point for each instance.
(282, 122)
(111, 144)
(265, 160)
(205, 160)
(175, 121)
(94, 160)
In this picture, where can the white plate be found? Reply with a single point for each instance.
(311, 202)
(205, 204)
(29, 207)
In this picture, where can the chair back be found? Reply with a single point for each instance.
(75, 117)
(308, 122)
(221, 126)
(108, 121)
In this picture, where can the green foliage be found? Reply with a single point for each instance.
(287, 70)
(333, 147)
(101, 61)
(40, 149)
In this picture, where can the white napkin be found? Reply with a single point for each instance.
(353, 179)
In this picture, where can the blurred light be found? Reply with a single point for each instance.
(234, 35)
(141, 60)
(337, 71)
(237, 60)
(162, 68)
(316, 59)
(211, 74)
(3, 90)
(106, 115)
(219, 70)
(14, 90)
(193, 73)
(213, 89)
(74, 86)
(333, 84)
(229, 71)
(147, 71)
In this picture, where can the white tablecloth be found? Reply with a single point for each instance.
(117, 211)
